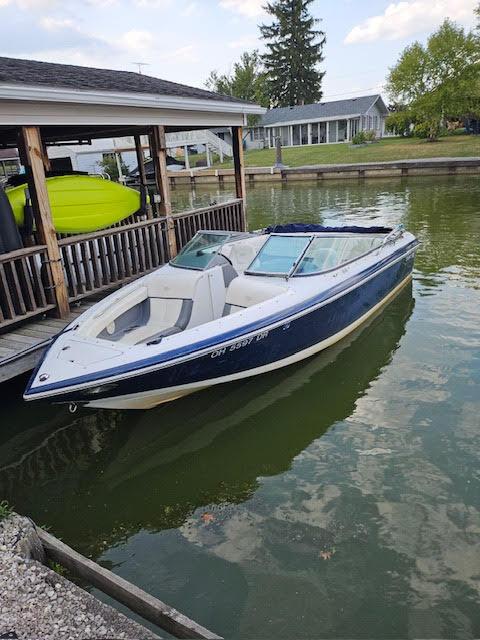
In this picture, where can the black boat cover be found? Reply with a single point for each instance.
(10, 238)
(299, 227)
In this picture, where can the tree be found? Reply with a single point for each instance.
(438, 81)
(294, 51)
(246, 81)
(477, 13)
(109, 165)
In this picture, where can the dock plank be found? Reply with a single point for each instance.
(22, 347)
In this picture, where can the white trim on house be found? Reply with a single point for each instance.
(23, 112)
(311, 120)
(145, 100)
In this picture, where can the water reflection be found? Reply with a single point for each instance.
(108, 468)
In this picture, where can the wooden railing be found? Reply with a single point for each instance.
(25, 284)
(100, 260)
(228, 216)
(97, 261)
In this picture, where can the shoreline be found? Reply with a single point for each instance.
(320, 172)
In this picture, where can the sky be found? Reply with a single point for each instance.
(183, 40)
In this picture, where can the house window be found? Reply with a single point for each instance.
(342, 130)
(332, 131)
(304, 133)
(296, 134)
(256, 133)
(315, 133)
(322, 131)
(285, 136)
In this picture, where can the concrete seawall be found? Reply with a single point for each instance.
(390, 169)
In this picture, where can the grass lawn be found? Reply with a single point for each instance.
(385, 149)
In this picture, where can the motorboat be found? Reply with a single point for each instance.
(230, 305)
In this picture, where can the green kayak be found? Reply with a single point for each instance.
(81, 203)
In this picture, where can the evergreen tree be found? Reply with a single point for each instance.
(294, 52)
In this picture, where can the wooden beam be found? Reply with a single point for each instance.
(135, 599)
(159, 157)
(33, 149)
(141, 170)
(239, 168)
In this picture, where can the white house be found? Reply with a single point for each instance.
(336, 121)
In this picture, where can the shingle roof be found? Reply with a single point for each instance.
(352, 106)
(32, 72)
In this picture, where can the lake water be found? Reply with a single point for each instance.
(337, 498)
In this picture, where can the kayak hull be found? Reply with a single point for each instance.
(81, 204)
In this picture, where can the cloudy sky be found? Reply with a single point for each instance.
(182, 40)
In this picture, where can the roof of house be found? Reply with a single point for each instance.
(33, 72)
(336, 108)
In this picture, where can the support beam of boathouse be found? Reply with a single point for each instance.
(159, 157)
(239, 167)
(33, 150)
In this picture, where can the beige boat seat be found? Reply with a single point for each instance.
(245, 291)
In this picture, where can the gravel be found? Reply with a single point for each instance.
(38, 604)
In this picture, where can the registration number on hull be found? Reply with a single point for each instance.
(239, 345)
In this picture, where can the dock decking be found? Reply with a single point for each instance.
(22, 347)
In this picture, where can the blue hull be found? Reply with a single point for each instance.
(267, 346)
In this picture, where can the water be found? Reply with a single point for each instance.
(336, 498)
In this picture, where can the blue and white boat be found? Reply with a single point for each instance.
(229, 306)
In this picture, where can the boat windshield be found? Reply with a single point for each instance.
(330, 252)
(279, 255)
(201, 249)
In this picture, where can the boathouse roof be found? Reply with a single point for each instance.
(80, 103)
(323, 110)
(34, 72)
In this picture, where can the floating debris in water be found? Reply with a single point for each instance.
(208, 517)
(326, 555)
(376, 451)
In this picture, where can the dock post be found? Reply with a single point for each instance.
(159, 156)
(32, 147)
(239, 169)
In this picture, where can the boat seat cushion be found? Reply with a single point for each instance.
(244, 291)
(166, 327)
(178, 284)
(228, 309)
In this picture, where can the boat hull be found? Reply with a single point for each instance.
(299, 336)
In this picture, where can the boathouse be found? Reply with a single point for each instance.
(44, 104)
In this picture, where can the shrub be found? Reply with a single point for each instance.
(370, 136)
(428, 129)
(359, 138)
(400, 123)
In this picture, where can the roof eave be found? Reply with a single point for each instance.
(36, 93)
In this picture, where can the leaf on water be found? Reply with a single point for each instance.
(208, 517)
(326, 555)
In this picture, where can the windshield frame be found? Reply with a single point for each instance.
(228, 238)
(312, 237)
(341, 264)
(277, 274)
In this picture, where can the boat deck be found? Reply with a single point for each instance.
(23, 345)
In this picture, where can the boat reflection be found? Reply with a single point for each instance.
(98, 477)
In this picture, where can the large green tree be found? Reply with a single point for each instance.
(247, 80)
(440, 80)
(294, 53)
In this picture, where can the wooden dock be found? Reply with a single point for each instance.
(22, 347)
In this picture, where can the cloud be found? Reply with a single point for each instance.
(248, 8)
(247, 42)
(153, 4)
(29, 5)
(55, 24)
(137, 40)
(190, 10)
(403, 19)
